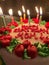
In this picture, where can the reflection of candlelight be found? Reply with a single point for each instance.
(37, 12)
(20, 14)
(40, 13)
(1, 14)
(28, 13)
(23, 9)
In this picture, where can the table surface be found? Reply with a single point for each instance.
(12, 59)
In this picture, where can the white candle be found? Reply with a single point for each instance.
(10, 11)
(23, 9)
(40, 13)
(36, 8)
(20, 14)
(28, 13)
(1, 14)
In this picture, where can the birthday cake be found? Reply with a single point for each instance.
(26, 40)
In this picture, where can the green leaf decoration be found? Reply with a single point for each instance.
(43, 49)
(30, 20)
(42, 54)
(13, 43)
(2, 61)
(5, 32)
(25, 56)
(12, 27)
(43, 22)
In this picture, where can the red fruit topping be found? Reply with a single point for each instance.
(26, 43)
(32, 51)
(19, 50)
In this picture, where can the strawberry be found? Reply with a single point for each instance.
(5, 43)
(26, 43)
(19, 50)
(32, 51)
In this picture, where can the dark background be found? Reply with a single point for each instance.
(28, 4)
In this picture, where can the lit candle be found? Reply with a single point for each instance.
(1, 14)
(20, 14)
(40, 13)
(23, 9)
(37, 12)
(28, 13)
(10, 11)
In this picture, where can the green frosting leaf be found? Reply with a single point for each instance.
(43, 22)
(43, 49)
(30, 20)
(12, 27)
(13, 43)
(5, 32)
(25, 56)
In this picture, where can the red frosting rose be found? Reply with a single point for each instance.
(25, 20)
(36, 20)
(47, 24)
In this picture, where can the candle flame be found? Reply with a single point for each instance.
(28, 12)
(1, 11)
(23, 9)
(10, 11)
(36, 8)
(40, 10)
(19, 13)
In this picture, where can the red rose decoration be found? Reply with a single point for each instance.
(32, 51)
(2, 30)
(25, 20)
(46, 40)
(5, 42)
(9, 37)
(19, 50)
(13, 22)
(36, 20)
(47, 24)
